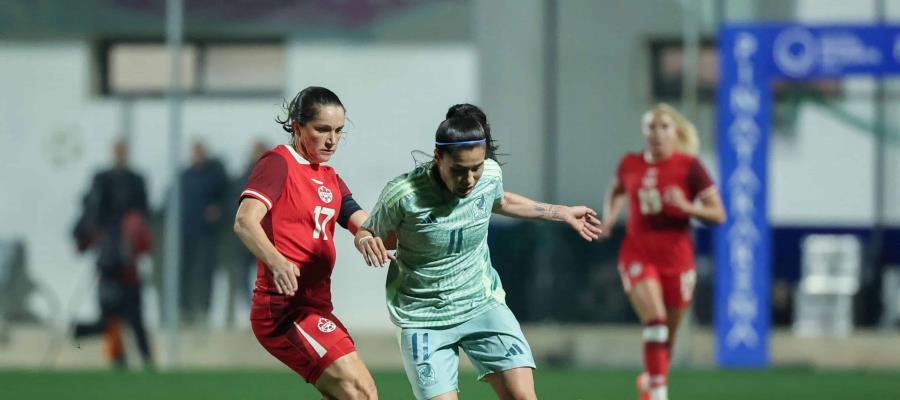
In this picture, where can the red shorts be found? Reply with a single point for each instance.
(677, 289)
(307, 343)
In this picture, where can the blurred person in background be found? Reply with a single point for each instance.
(665, 186)
(242, 260)
(113, 221)
(286, 218)
(204, 186)
(442, 291)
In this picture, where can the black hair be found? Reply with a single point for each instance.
(468, 111)
(305, 106)
(459, 133)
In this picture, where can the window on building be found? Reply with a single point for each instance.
(213, 68)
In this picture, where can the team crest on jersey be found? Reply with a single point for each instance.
(481, 206)
(326, 325)
(325, 194)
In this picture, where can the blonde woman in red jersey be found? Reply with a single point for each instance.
(665, 186)
(286, 218)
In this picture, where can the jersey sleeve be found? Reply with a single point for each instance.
(493, 171)
(348, 205)
(388, 212)
(345, 191)
(267, 179)
(699, 182)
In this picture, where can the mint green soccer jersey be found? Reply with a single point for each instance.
(443, 274)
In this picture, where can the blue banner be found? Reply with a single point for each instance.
(750, 57)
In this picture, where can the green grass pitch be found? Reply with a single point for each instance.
(696, 384)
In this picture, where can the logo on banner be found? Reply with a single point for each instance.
(752, 55)
(742, 203)
(743, 309)
(744, 133)
(798, 52)
(745, 97)
(743, 179)
(841, 50)
(745, 46)
(795, 51)
(326, 325)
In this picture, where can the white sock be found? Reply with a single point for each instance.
(659, 393)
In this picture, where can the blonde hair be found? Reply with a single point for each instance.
(688, 141)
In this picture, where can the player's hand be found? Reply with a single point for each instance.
(372, 249)
(285, 274)
(674, 196)
(584, 220)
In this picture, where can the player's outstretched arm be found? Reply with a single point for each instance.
(582, 219)
(372, 248)
(356, 220)
(247, 227)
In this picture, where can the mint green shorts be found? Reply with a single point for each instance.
(493, 341)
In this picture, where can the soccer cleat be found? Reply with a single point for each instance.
(643, 386)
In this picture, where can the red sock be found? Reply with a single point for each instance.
(113, 346)
(656, 352)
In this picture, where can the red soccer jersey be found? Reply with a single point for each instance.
(304, 201)
(658, 233)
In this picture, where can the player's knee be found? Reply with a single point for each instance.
(653, 319)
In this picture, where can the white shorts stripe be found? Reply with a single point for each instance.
(259, 196)
(315, 345)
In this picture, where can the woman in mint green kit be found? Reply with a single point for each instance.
(442, 291)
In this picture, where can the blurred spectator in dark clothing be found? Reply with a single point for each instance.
(243, 263)
(113, 222)
(204, 187)
(246, 259)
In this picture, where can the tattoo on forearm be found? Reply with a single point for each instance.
(548, 211)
